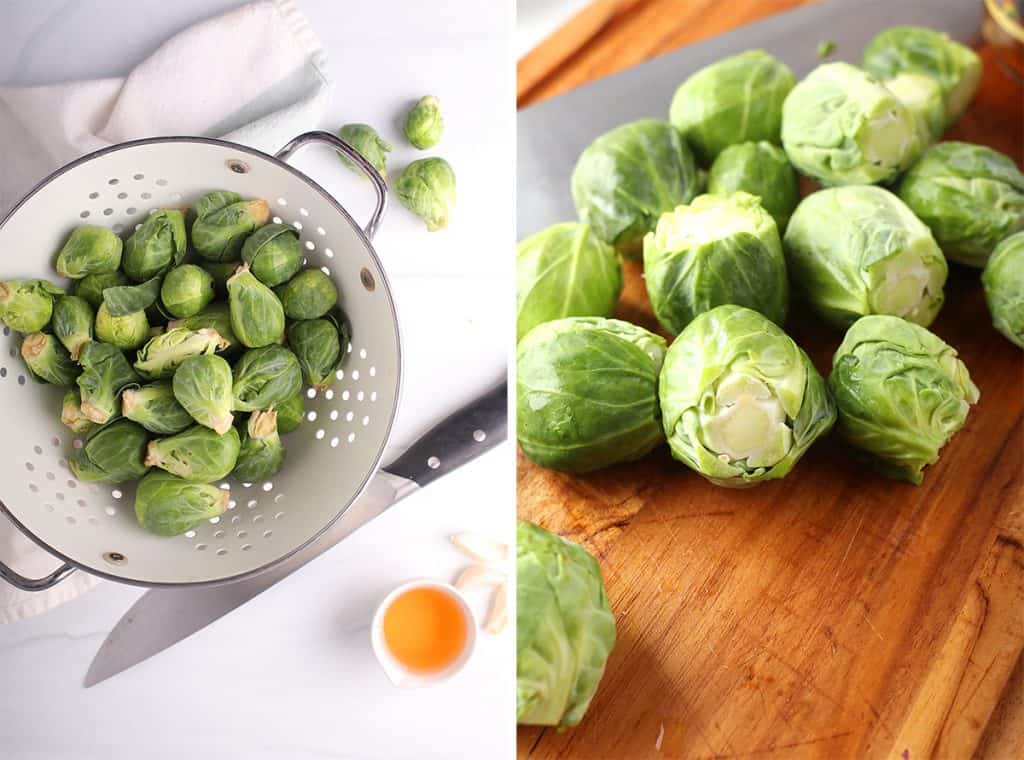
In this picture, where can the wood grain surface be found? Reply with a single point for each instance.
(833, 614)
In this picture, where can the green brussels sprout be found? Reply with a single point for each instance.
(901, 393)
(308, 295)
(91, 286)
(734, 100)
(257, 316)
(423, 124)
(262, 454)
(740, 401)
(916, 50)
(922, 97)
(156, 246)
(71, 413)
(290, 413)
(859, 250)
(216, 316)
(826, 48)
(1003, 280)
(586, 393)
(48, 360)
(105, 373)
(223, 221)
(127, 332)
(761, 169)
(202, 384)
(164, 353)
(115, 454)
(198, 454)
(367, 144)
(125, 300)
(186, 291)
(264, 378)
(317, 346)
(565, 629)
(628, 177)
(841, 126)
(89, 250)
(273, 254)
(221, 272)
(719, 249)
(169, 506)
(72, 323)
(27, 305)
(155, 408)
(969, 195)
(565, 271)
(426, 187)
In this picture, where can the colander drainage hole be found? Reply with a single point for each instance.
(110, 511)
(246, 547)
(116, 493)
(268, 486)
(221, 552)
(309, 245)
(200, 547)
(190, 534)
(29, 466)
(93, 195)
(33, 488)
(112, 181)
(218, 534)
(50, 476)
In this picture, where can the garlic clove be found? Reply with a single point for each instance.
(497, 618)
(479, 577)
(480, 547)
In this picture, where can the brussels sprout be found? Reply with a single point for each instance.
(202, 384)
(842, 127)
(186, 291)
(124, 300)
(169, 506)
(216, 316)
(91, 286)
(48, 360)
(257, 317)
(740, 401)
(308, 295)
(221, 272)
(1003, 280)
(719, 249)
(901, 393)
(114, 454)
(318, 349)
(72, 323)
(368, 144)
(265, 377)
(290, 413)
(826, 48)
(761, 169)
(916, 50)
(586, 393)
(273, 254)
(127, 332)
(223, 221)
(155, 408)
(198, 454)
(630, 176)
(423, 124)
(156, 246)
(105, 373)
(164, 353)
(737, 99)
(859, 250)
(27, 305)
(262, 454)
(922, 97)
(565, 629)
(426, 187)
(71, 413)
(89, 250)
(969, 195)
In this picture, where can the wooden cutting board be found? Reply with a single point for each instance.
(833, 614)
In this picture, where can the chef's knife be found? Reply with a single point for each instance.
(163, 617)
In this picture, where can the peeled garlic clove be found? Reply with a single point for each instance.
(497, 618)
(480, 547)
(478, 577)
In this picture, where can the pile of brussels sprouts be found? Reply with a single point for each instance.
(181, 374)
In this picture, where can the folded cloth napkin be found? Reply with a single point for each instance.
(256, 75)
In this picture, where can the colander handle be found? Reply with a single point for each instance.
(379, 185)
(35, 584)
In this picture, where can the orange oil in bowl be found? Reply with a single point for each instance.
(424, 629)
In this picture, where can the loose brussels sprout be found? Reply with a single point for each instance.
(290, 413)
(426, 187)
(736, 99)
(198, 454)
(318, 348)
(922, 97)
(186, 291)
(115, 453)
(202, 384)
(859, 250)
(630, 176)
(164, 353)
(27, 305)
(105, 373)
(969, 195)
(1003, 280)
(155, 408)
(262, 454)
(48, 360)
(257, 317)
(901, 393)
(265, 377)
(761, 169)
(127, 332)
(308, 295)
(223, 221)
(71, 413)
(156, 246)
(273, 254)
(565, 629)
(586, 393)
(740, 401)
(719, 249)
(841, 126)
(916, 50)
(89, 250)
(169, 506)
(72, 323)
(124, 300)
(368, 144)
(423, 124)
(221, 272)
(216, 316)
(91, 286)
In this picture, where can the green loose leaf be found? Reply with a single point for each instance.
(113, 454)
(257, 316)
(48, 360)
(91, 286)
(216, 316)
(423, 124)
(367, 144)
(265, 377)
(72, 323)
(27, 305)
(157, 245)
(105, 373)
(198, 454)
(169, 506)
(155, 408)
(164, 353)
(426, 187)
(273, 253)
(223, 222)
(89, 250)
(826, 48)
(1003, 280)
(202, 384)
(262, 453)
(123, 300)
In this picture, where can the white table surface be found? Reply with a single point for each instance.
(291, 674)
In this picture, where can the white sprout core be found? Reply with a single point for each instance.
(905, 286)
(749, 423)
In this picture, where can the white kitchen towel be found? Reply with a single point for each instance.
(255, 75)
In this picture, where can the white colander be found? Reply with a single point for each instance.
(330, 457)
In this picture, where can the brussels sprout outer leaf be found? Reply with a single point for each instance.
(290, 414)
(1003, 279)
(165, 352)
(159, 244)
(72, 323)
(155, 408)
(221, 227)
(186, 291)
(89, 250)
(169, 506)
(71, 413)
(216, 316)
(262, 454)
(761, 169)
(264, 378)
(202, 385)
(91, 286)
(257, 316)
(198, 454)
(48, 360)
(273, 253)
(123, 300)
(317, 346)
(308, 295)
(113, 454)
(105, 373)
(27, 305)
